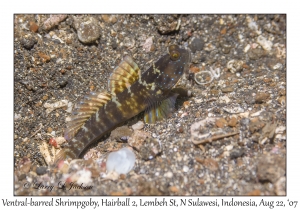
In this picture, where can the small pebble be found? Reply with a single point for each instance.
(138, 138)
(271, 167)
(235, 66)
(53, 20)
(194, 69)
(17, 116)
(138, 126)
(223, 31)
(256, 53)
(261, 97)
(211, 164)
(148, 44)
(121, 133)
(227, 89)
(88, 29)
(254, 193)
(64, 168)
(150, 148)
(235, 153)
(24, 165)
(234, 109)
(220, 123)
(185, 168)
(229, 147)
(128, 42)
(169, 174)
(186, 104)
(33, 27)
(28, 41)
(114, 45)
(197, 45)
(180, 129)
(266, 44)
(232, 122)
(280, 186)
(201, 181)
(109, 18)
(22, 177)
(41, 170)
(166, 23)
(277, 66)
(62, 81)
(174, 189)
(45, 58)
(45, 97)
(255, 125)
(245, 121)
(85, 177)
(226, 47)
(122, 176)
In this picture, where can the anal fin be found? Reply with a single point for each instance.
(159, 110)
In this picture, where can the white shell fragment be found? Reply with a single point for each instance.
(148, 43)
(48, 155)
(225, 99)
(244, 115)
(256, 114)
(266, 44)
(17, 116)
(234, 109)
(54, 20)
(195, 128)
(213, 73)
(280, 133)
(70, 107)
(50, 107)
(253, 25)
(280, 129)
(85, 177)
(138, 126)
(60, 140)
(247, 48)
(121, 161)
(235, 66)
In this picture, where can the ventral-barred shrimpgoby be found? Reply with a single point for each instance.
(130, 93)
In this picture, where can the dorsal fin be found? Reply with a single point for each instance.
(124, 75)
(84, 110)
(158, 110)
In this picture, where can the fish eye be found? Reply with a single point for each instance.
(175, 55)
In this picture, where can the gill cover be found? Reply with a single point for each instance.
(165, 73)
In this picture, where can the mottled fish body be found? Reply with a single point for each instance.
(130, 93)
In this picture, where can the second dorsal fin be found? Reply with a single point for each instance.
(124, 75)
(84, 110)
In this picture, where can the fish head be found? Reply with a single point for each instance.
(166, 72)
